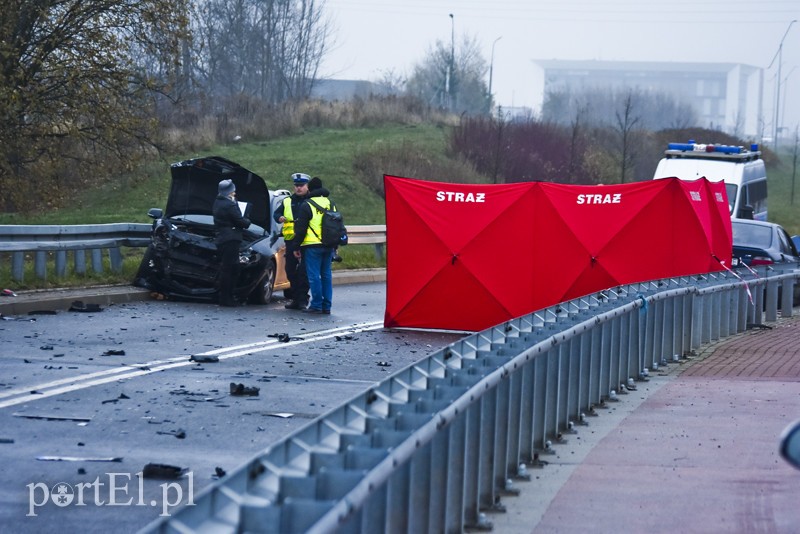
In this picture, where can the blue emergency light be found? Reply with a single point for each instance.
(691, 146)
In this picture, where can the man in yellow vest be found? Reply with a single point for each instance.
(286, 214)
(316, 256)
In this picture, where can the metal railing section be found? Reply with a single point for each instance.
(46, 244)
(437, 446)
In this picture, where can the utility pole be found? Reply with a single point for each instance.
(451, 67)
(491, 66)
(779, 56)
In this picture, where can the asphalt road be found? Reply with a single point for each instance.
(88, 399)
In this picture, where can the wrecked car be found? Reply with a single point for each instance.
(181, 261)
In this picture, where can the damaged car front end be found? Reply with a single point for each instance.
(181, 261)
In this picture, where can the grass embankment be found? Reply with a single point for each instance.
(326, 153)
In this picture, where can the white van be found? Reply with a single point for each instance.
(741, 169)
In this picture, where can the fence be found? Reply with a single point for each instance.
(49, 244)
(437, 445)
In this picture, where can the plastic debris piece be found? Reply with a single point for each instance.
(114, 352)
(8, 293)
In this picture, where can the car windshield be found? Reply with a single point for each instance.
(752, 235)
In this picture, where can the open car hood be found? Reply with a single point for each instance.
(194, 188)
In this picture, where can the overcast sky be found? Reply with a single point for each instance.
(377, 36)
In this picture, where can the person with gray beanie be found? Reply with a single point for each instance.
(228, 224)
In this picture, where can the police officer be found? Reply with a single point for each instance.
(228, 223)
(295, 270)
(316, 256)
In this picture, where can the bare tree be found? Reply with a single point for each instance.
(625, 124)
(267, 49)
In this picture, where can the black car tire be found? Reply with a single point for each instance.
(262, 294)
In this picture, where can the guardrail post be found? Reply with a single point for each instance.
(379, 251)
(115, 256)
(18, 266)
(40, 264)
(787, 297)
(685, 335)
(772, 300)
(742, 310)
(61, 262)
(716, 317)
(80, 262)
(97, 260)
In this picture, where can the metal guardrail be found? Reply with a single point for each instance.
(437, 445)
(45, 244)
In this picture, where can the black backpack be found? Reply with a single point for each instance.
(334, 232)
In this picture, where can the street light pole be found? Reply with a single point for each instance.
(779, 56)
(491, 65)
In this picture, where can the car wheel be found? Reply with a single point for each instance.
(263, 293)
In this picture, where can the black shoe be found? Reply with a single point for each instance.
(317, 311)
(295, 306)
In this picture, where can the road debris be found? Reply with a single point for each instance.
(53, 417)
(240, 390)
(80, 306)
(204, 358)
(114, 352)
(283, 337)
(79, 458)
(180, 434)
(163, 471)
(122, 396)
(8, 293)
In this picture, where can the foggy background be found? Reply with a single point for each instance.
(373, 37)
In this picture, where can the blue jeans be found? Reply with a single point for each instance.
(320, 278)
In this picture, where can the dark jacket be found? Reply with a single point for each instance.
(303, 216)
(228, 220)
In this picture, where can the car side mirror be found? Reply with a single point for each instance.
(155, 213)
(790, 444)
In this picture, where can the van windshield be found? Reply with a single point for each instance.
(730, 190)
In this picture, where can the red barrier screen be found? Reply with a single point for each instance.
(468, 257)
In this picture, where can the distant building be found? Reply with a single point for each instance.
(725, 96)
(344, 90)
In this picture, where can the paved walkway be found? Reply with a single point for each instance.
(694, 450)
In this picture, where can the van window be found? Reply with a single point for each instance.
(730, 190)
(755, 194)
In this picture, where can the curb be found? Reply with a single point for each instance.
(61, 299)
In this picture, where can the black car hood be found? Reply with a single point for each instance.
(194, 188)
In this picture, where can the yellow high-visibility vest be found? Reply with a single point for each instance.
(288, 224)
(314, 233)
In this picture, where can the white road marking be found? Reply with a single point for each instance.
(23, 395)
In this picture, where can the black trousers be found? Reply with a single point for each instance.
(296, 274)
(228, 272)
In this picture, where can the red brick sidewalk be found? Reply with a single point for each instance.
(762, 353)
(696, 452)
